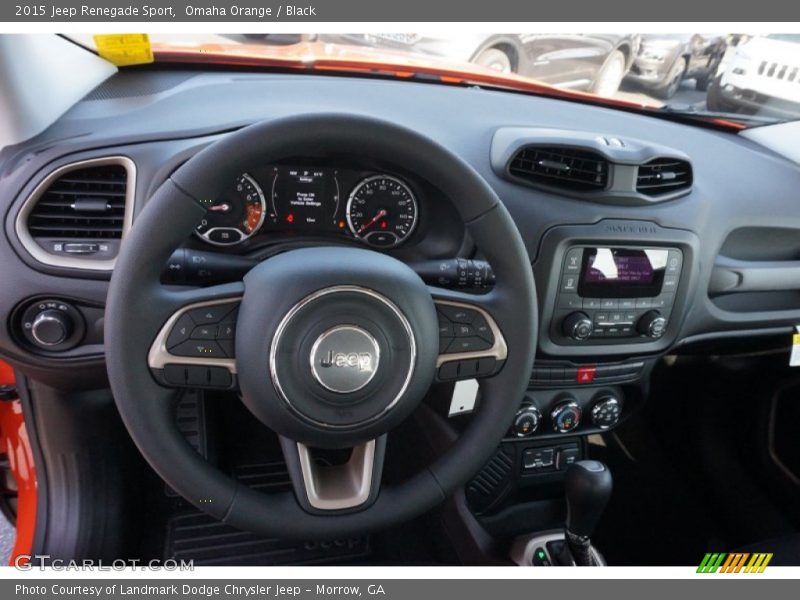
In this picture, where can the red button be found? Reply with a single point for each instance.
(585, 374)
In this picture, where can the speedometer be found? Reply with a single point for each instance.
(236, 215)
(382, 211)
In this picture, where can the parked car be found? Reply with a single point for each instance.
(594, 62)
(665, 60)
(762, 76)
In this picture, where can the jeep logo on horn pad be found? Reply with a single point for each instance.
(344, 359)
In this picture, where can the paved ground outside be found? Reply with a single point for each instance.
(6, 539)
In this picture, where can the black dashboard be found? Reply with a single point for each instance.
(728, 194)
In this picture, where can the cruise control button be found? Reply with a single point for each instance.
(456, 313)
(463, 330)
(482, 329)
(180, 331)
(199, 349)
(445, 329)
(210, 314)
(204, 332)
(468, 344)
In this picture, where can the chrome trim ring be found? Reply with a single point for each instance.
(362, 183)
(40, 254)
(338, 290)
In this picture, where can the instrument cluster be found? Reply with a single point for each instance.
(378, 209)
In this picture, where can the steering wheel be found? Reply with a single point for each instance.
(334, 346)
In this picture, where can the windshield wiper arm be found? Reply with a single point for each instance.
(692, 111)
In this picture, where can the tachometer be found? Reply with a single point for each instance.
(382, 211)
(235, 216)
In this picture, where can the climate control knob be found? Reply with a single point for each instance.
(578, 326)
(606, 412)
(51, 327)
(565, 417)
(526, 422)
(652, 324)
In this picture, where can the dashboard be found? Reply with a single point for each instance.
(606, 250)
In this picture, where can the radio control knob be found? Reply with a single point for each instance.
(565, 417)
(51, 327)
(577, 326)
(652, 324)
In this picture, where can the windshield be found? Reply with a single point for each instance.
(750, 79)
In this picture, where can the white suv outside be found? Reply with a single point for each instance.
(760, 76)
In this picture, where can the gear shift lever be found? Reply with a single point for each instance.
(588, 487)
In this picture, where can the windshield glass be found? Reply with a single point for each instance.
(752, 79)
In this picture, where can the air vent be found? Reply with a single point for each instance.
(78, 215)
(85, 203)
(567, 168)
(663, 176)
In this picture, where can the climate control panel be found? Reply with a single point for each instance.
(567, 413)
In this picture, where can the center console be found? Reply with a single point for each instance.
(612, 298)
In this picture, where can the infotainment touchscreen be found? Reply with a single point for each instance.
(622, 272)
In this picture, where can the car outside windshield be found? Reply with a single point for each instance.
(753, 79)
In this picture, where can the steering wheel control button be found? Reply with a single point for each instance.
(204, 332)
(482, 329)
(606, 412)
(345, 359)
(180, 331)
(226, 331)
(197, 376)
(467, 344)
(456, 314)
(565, 417)
(198, 349)
(209, 315)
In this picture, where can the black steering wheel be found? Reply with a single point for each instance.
(334, 346)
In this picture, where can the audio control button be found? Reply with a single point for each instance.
(198, 349)
(572, 263)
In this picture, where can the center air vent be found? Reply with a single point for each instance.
(566, 168)
(77, 216)
(662, 176)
